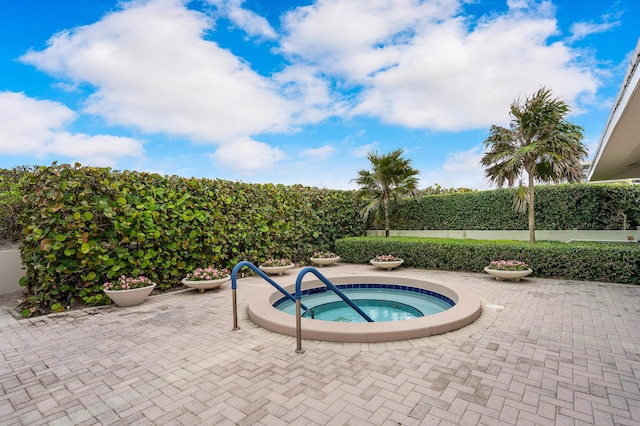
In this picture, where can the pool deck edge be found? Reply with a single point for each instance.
(468, 308)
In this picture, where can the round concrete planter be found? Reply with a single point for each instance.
(324, 261)
(203, 285)
(386, 265)
(130, 297)
(275, 270)
(507, 275)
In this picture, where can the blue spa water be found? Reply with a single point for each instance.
(382, 302)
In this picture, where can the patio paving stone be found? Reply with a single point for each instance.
(544, 352)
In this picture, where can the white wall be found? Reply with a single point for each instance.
(517, 235)
(10, 271)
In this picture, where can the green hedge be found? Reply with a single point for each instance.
(84, 226)
(11, 202)
(576, 261)
(558, 207)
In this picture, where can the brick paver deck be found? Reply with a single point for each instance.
(560, 352)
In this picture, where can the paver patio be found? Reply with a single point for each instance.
(560, 352)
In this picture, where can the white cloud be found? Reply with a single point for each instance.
(354, 38)
(517, 4)
(252, 23)
(544, 8)
(363, 150)
(416, 64)
(580, 30)
(463, 161)
(591, 142)
(96, 150)
(311, 92)
(36, 127)
(247, 155)
(422, 66)
(321, 153)
(152, 69)
(27, 124)
(461, 169)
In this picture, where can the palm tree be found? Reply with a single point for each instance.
(540, 143)
(391, 176)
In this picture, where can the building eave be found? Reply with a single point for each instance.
(618, 152)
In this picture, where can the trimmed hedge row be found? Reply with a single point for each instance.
(11, 202)
(607, 262)
(84, 226)
(558, 207)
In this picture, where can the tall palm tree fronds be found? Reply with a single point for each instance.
(391, 176)
(540, 144)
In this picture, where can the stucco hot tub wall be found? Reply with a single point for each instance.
(467, 309)
(10, 271)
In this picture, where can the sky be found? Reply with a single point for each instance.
(296, 92)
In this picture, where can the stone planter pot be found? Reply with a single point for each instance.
(203, 285)
(387, 265)
(507, 275)
(275, 270)
(324, 261)
(130, 297)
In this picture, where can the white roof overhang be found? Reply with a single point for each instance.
(618, 153)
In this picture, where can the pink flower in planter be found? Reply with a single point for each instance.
(508, 265)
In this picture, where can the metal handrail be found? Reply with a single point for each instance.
(234, 285)
(298, 295)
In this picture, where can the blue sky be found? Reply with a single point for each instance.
(296, 91)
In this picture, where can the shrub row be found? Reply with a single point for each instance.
(11, 202)
(558, 207)
(83, 226)
(608, 262)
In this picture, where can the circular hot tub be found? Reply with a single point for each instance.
(464, 308)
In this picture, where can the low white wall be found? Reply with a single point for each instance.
(517, 235)
(10, 271)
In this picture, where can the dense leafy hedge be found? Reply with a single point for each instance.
(84, 226)
(558, 207)
(577, 261)
(11, 202)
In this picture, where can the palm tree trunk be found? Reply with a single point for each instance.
(386, 217)
(532, 224)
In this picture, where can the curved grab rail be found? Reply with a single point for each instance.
(234, 285)
(331, 286)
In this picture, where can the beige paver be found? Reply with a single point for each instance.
(544, 352)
